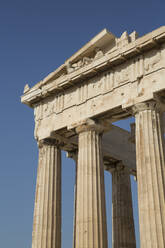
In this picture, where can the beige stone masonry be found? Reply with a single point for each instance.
(91, 227)
(95, 87)
(111, 147)
(123, 231)
(150, 174)
(47, 213)
(130, 70)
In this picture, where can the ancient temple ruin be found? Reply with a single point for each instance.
(75, 106)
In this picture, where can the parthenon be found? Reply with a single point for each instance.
(109, 79)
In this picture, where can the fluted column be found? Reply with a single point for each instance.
(123, 232)
(91, 228)
(73, 155)
(150, 174)
(47, 211)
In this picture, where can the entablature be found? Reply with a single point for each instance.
(125, 49)
(116, 146)
(130, 72)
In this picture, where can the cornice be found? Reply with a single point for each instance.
(56, 82)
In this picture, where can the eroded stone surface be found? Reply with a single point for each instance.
(150, 174)
(47, 211)
(90, 225)
(107, 80)
(123, 231)
(129, 81)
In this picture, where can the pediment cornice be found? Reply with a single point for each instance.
(90, 63)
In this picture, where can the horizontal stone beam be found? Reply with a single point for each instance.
(116, 146)
(51, 84)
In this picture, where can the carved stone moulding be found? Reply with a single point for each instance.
(115, 52)
(129, 70)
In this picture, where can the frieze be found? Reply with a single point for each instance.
(108, 81)
(127, 72)
(138, 68)
(152, 61)
(121, 42)
(123, 74)
(82, 93)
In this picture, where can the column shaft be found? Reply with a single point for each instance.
(151, 176)
(75, 203)
(47, 211)
(91, 229)
(123, 232)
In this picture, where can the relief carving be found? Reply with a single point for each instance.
(99, 53)
(152, 61)
(140, 88)
(107, 81)
(138, 71)
(84, 61)
(95, 87)
(48, 107)
(59, 103)
(69, 98)
(122, 75)
(123, 40)
(133, 36)
(90, 89)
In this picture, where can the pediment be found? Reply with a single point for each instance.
(95, 48)
(101, 42)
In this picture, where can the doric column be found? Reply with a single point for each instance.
(123, 231)
(47, 211)
(73, 155)
(150, 174)
(91, 227)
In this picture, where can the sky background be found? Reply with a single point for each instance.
(35, 38)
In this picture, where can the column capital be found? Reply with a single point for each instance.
(150, 167)
(48, 142)
(47, 211)
(72, 154)
(90, 224)
(155, 104)
(91, 125)
(118, 166)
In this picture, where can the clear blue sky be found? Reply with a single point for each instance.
(35, 38)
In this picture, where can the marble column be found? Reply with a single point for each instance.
(47, 211)
(73, 155)
(150, 174)
(123, 231)
(90, 226)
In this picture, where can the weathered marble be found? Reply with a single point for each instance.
(47, 212)
(150, 174)
(123, 231)
(102, 82)
(130, 70)
(91, 227)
